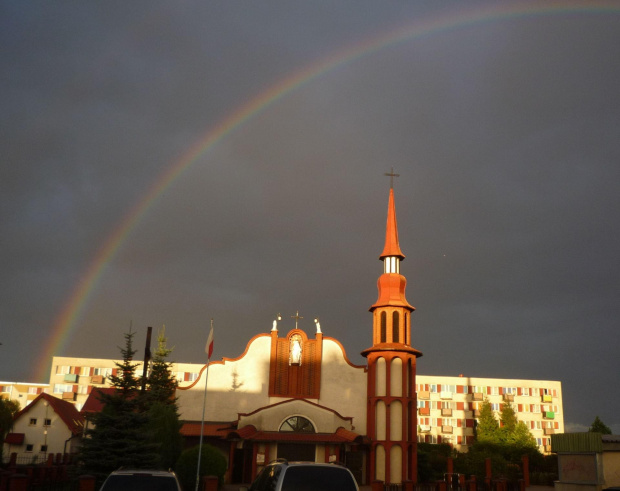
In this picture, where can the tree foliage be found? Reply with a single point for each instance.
(599, 427)
(487, 429)
(212, 463)
(118, 434)
(8, 410)
(161, 403)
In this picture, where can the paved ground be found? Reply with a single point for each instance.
(235, 487)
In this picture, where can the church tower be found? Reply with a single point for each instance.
(392, 401)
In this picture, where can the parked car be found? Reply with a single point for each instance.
(281, 475)
(141, 480)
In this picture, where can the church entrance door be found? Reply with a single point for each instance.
(297, 452)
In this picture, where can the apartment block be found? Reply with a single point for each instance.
(21, 392)
(449, 406)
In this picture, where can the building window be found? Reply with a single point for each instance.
(33, 421)
(43, 448)
(297, 424)
(60, 388)
(47, 422)
(395, 327)
(29, 447)
(383, 327)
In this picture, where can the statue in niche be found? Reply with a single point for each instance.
(295, 350)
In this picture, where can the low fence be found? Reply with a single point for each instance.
(53, 472)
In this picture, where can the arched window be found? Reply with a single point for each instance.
(395, 327)
(406, 329)
(298, 424)
(383, 327)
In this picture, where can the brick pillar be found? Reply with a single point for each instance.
(376, 486)
(86, 483)
(210, 483)
(525, 460)
(18, 482)
(488, 472)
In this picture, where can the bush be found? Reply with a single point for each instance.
(212, 463)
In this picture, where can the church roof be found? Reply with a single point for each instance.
(391, 248)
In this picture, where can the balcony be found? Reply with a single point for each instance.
(446, 411)
(71, 377)
(478, 396)
(425, 428)
(549, 431)
(68, 396)
(548, 415)
(446, 429)
(96, 379)
(509, 397)
(546, 398)
(425, 411)
(424, 394)
(445, 395)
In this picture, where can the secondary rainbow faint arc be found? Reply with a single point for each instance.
(66, 320)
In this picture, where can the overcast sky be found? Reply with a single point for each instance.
(505, 130)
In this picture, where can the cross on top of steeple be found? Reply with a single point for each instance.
(392, 176)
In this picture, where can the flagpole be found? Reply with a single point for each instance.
(209, 350)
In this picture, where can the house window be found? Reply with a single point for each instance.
(29, 447)
(43, 448)
(495, 406)
(494, 391)
(63, 370)
(433, 388)
(33, 421)
(47, 422)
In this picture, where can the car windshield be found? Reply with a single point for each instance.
(140, 482)
(317, 478)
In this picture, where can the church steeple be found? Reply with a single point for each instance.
(391, 283)
(391, 416)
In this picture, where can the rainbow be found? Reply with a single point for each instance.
(67, 320)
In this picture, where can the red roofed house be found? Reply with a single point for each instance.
(48, 425)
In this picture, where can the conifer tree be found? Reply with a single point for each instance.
(118, 434)
(161, 403)
(599, 427)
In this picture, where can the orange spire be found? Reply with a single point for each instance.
(391, 247)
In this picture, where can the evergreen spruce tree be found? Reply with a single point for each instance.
(161, 384)
(118, 435)
(599, 427)
(487, 428)
(161, 404)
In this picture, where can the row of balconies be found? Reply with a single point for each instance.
(476, 396)
(450, 429)
(74, 377)
(448, 412)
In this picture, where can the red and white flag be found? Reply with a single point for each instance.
(209, 346)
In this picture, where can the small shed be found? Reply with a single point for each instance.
(587, 461)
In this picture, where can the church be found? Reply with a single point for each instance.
(300, 398)
(297, 396)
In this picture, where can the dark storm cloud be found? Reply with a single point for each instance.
(505, 135)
